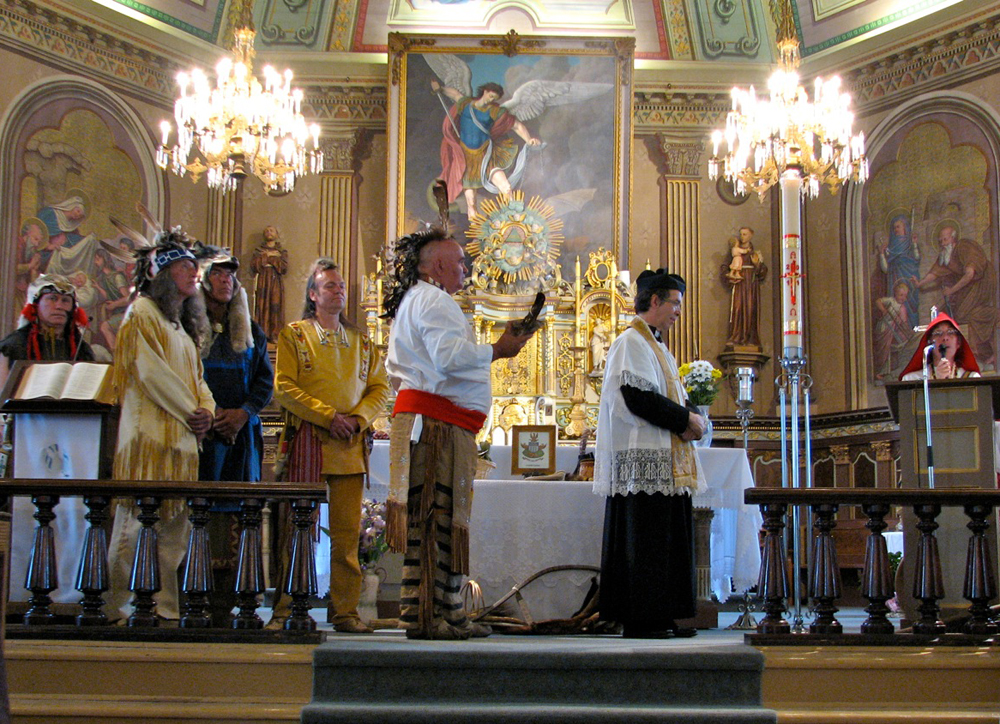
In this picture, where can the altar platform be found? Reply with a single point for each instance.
(125, 683)
(522, 526)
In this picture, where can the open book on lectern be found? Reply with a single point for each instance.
(66, 381)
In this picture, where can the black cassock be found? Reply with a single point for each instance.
(647, 560)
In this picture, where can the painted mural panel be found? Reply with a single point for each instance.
(931, 239)
(73, 174)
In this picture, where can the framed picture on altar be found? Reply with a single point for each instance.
(533, 449)
(517, 126)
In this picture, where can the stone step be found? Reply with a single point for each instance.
(596, 713)
(512, 679)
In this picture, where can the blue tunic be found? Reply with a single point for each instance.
(238, 381)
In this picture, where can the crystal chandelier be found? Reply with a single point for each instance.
(240, 126)
(767, 134)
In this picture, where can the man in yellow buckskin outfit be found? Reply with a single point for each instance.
(331, 383)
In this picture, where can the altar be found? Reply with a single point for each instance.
(520, 527)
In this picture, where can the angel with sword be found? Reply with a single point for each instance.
(477, 148)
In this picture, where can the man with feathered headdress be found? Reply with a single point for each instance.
(239, 374)
(442, 379)
(50, 326)
(167, 408)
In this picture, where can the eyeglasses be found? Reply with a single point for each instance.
(942, 333)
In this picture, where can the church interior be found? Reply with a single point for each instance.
(617, 172)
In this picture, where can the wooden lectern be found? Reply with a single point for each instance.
(962, 429)
(102, 449)
(55, 438)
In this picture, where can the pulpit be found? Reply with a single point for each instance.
(962, 453)
(55, 438)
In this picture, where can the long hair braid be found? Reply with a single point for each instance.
(403, 267)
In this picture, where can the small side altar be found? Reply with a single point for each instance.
(557, 378)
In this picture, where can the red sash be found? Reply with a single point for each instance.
(440, 408)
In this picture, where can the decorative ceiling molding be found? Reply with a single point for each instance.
(729, 29)
(944, 61)
(346, 106)
(601, 16)
(659, 111)
(61, 41)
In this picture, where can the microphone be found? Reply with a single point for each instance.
(942, 349)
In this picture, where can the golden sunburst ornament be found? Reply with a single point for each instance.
(515, 245)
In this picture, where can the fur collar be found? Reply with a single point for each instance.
(238, 323)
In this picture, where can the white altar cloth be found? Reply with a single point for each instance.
(520, 527)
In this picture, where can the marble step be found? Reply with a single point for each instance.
(510, 679)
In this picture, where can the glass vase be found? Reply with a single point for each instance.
(706, 439)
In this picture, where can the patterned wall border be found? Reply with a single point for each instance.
(70, 45)
(939, 62)
(654, 111)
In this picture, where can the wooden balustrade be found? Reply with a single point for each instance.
(93, 577)
(877, 585)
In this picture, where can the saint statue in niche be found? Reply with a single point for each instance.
(269, 265)
(744, 274)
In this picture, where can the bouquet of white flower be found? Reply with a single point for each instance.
(701, 381)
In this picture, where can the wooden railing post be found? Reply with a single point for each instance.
(773, 581)
(249, 565)
(92, 575)
(928, 583)
(300, 582)
(980, 580)
(42, 577)
(145, 580)
(198, 582)
(824, 581)
(876, 579)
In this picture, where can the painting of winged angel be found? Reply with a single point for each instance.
(486, 144)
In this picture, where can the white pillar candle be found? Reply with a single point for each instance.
(792, 306)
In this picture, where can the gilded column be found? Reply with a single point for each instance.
(338, 210)
(225, 219)
(680, 234)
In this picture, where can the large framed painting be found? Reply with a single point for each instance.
(532, 137)
(930, 235)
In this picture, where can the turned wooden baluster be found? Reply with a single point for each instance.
(824, 581)
(249, 565)
(198, 582)
(42, 577)
(92, 575)
(301, 582)
(980, 580)
(876, 580)
(773, 580)
(145, 580)
(928, 584)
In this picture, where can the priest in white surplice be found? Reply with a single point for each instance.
(648, 469)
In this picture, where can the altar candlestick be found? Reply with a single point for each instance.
(579, 295)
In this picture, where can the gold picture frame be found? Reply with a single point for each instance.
(533, 449)
(576, 171)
